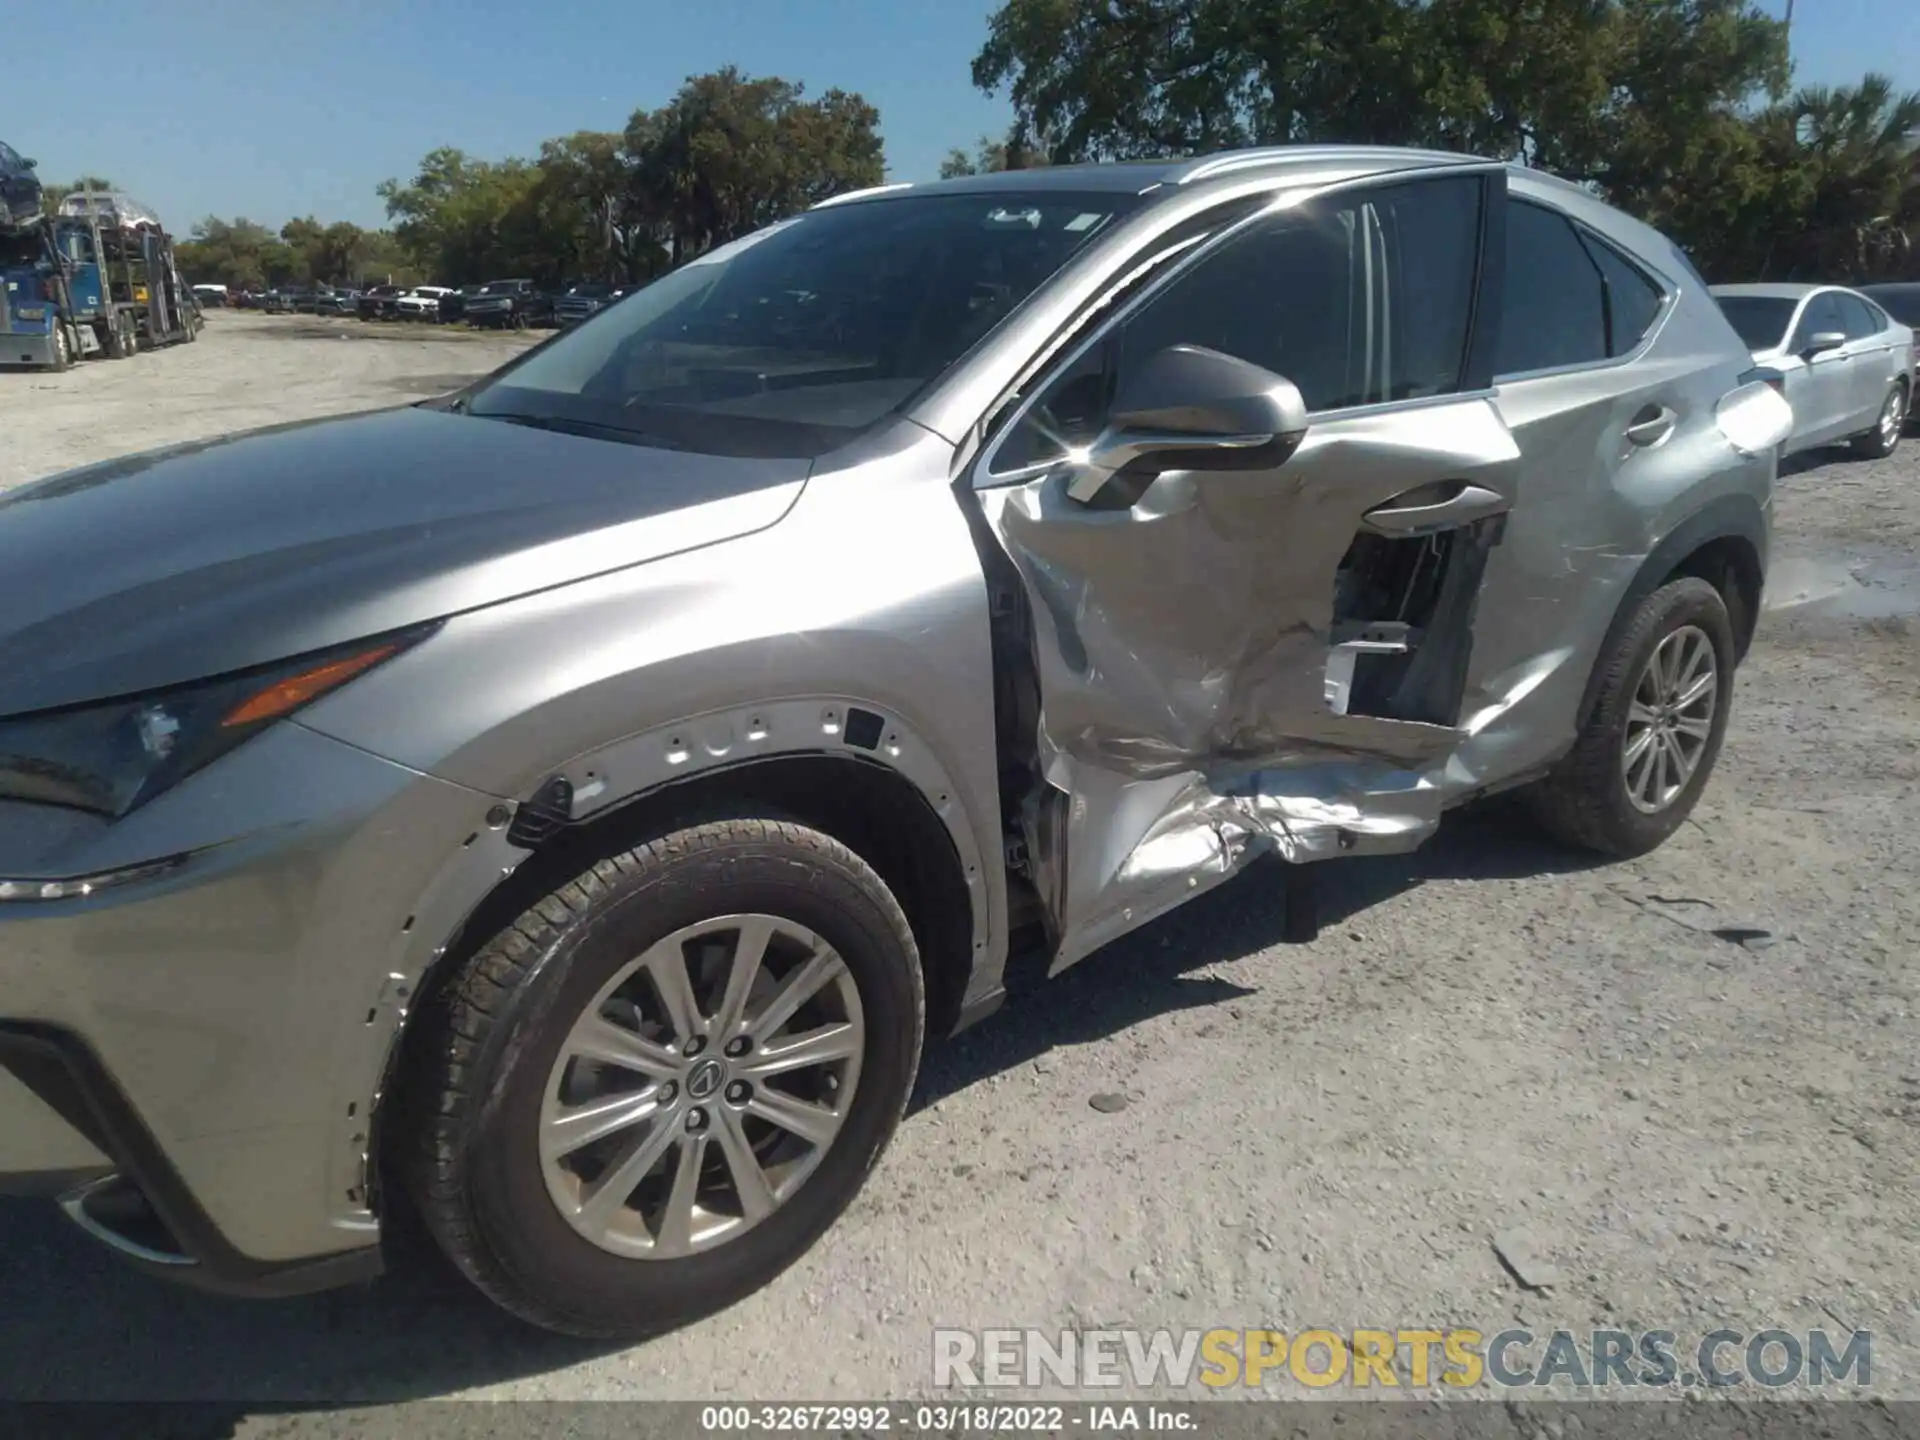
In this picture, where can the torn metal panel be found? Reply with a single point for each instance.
(1185, 647)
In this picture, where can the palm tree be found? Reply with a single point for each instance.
(1848, 181)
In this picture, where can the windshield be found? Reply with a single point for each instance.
(591, 292)
(791, 341)
(1760, 320)
(501, 287)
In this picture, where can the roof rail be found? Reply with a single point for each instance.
(863, 194)
(1207, 166)
(1227, 160)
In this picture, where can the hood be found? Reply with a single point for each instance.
(174, 565)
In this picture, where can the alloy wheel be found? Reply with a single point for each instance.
(1893, 417)
(702, 1086)
(1670, 719)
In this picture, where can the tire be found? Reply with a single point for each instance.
(489, 1072)
(61, 348)
(115, 341)
(1585, 800)
(1884, 438)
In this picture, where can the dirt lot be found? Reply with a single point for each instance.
(1489, 1036)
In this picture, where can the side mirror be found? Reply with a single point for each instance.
(1822, 341)
(1187, 408)
(30, 164)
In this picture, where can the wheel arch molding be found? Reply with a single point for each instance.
(851, 768)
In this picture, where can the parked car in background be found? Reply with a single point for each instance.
(212, 296)
(1901, 301)
(380, 302)
(336, 302)
(453, 304)
(580, 301)
(20, 191)
(1844, 364)
(515, 303)
(286, 299)
(573, 800)
(422, 302)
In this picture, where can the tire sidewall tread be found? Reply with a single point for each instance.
(1583, 800)
(490, 1035)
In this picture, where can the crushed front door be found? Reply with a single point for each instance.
(1240, 661)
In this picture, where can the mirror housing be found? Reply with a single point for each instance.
(30, 164)
(1821, 341)
(1189, 408)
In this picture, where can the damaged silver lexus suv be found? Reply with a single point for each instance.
(562, 808)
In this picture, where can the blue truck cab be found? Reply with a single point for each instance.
(32, 298)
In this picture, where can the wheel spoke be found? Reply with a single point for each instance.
(610, 1192)
(584, 1124)
(1665, 786)
(1637, 747)
(667, 966)
(676, 1225)
(1695, 729)
(1640, 714)
(817, 1047)
(749, 1180)
(1663, 659)
(1682, 764)
(749, 950)
(813, 1123)
(801, 986)
(1642, 781)
(597, 1038)
(1698, 690)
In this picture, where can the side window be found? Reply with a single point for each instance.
(9, 160)
(1362, 300)
(1859, 317)
(1633, 300)
(1821, 315)
(1553, 311)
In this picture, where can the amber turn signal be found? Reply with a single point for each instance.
(285, 696)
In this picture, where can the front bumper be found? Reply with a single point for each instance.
(32, 349)
(215, 1034)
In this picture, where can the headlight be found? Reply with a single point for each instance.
(108, 758)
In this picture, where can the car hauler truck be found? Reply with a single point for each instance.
(98, 279)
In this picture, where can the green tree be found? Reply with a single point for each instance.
(731, 153)
(237, 253)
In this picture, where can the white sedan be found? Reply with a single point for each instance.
(1844, 365)
(422, 302)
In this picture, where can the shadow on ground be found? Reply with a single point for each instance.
(78, 1325)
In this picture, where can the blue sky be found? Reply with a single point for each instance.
(234, 109)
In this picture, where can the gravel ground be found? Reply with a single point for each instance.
(1488, 1036)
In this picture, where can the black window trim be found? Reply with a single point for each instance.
(1095, 322)
(1588, 236)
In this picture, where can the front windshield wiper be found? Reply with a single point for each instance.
(561, 424)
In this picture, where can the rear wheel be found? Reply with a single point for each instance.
(116, 339)
(651, 1093)
(60, 348)
(1650, 741)
(1884, 438)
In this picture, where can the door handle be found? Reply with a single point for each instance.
(1430, 508)
(1652, 425)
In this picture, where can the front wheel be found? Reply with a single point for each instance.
(60, 349)
(656, 1089)
(1884, 438)
(1655, 728)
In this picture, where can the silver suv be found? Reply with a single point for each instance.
(565, 806)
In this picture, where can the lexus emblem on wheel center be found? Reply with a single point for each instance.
(704, 1080)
